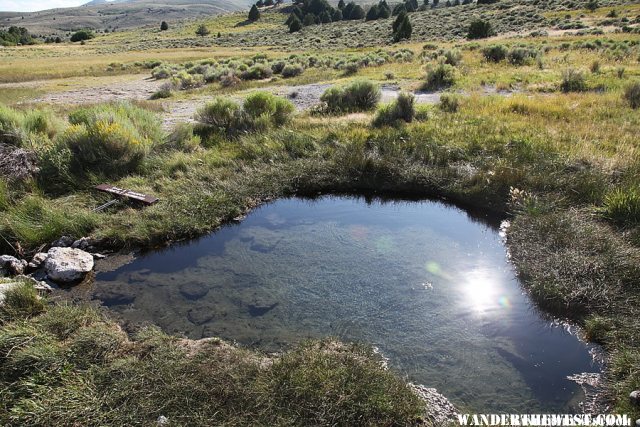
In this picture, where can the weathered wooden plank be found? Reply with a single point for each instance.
(129, 194)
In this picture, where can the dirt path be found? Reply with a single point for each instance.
(141, 87)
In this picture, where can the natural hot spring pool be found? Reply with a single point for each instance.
(426, 283)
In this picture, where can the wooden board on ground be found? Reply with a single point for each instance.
(129, 194)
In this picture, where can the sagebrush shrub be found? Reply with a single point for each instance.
(573, 81)
(260, 110)
(449, 103)
(494, 53)
(222, 113)
(292, 70)
(632, 95)
(440, 76)
(31, 129)
(360, 95)
(257, 72)
(521, 55)
(402, 109)
(110, 139)
(10, 125)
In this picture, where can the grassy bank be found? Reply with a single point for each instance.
(68, 365)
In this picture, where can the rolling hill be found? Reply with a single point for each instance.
(117, 14)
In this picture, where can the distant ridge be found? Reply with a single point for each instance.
(107, 15)
(103, 2)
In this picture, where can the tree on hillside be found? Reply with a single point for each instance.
(164, 26)
(341, 4)
(372, 13)
(384, 11)
(254, 13)
(592, 5)
(398, 21)
(82, 35)
(480, 29)
(202, 30)
(316, 7)
(404, 29)
(398, 9)
(337, 15)
(346, 11)
(325, 18)
(295, 24)
(14, 36)
(309, 19)
(357, 13)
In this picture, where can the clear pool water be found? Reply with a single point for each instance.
(425, 282)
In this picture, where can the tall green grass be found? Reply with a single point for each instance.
(622, 206)
(34, 220)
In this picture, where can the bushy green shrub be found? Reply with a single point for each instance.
(260, 110)
(480, 29)
(440, 76)
(257, 72)
(10, 125)
(360, 95)
(521, 55)
(449, 103)
(494, 53)
(632, 95)
(221, 113)
(573, 81)
(82, 35)
(292, 70)
(110, 140)
(28, 129)
(263, 105)
(402, 109)
(183, 80)
(183, 138)
(161, 72)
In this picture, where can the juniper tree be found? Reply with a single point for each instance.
(480, 29)
(202, 30)
(254, 13)
(403, 30)
(372, 13)
(295, 24)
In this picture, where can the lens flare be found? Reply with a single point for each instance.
(482, 291)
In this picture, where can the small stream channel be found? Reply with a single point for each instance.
(427, 283)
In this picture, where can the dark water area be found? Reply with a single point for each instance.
(426, 283)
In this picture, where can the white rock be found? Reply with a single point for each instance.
(12, 264)
(162, 420)
(634, 397)
(67, 265)
(38, 259)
